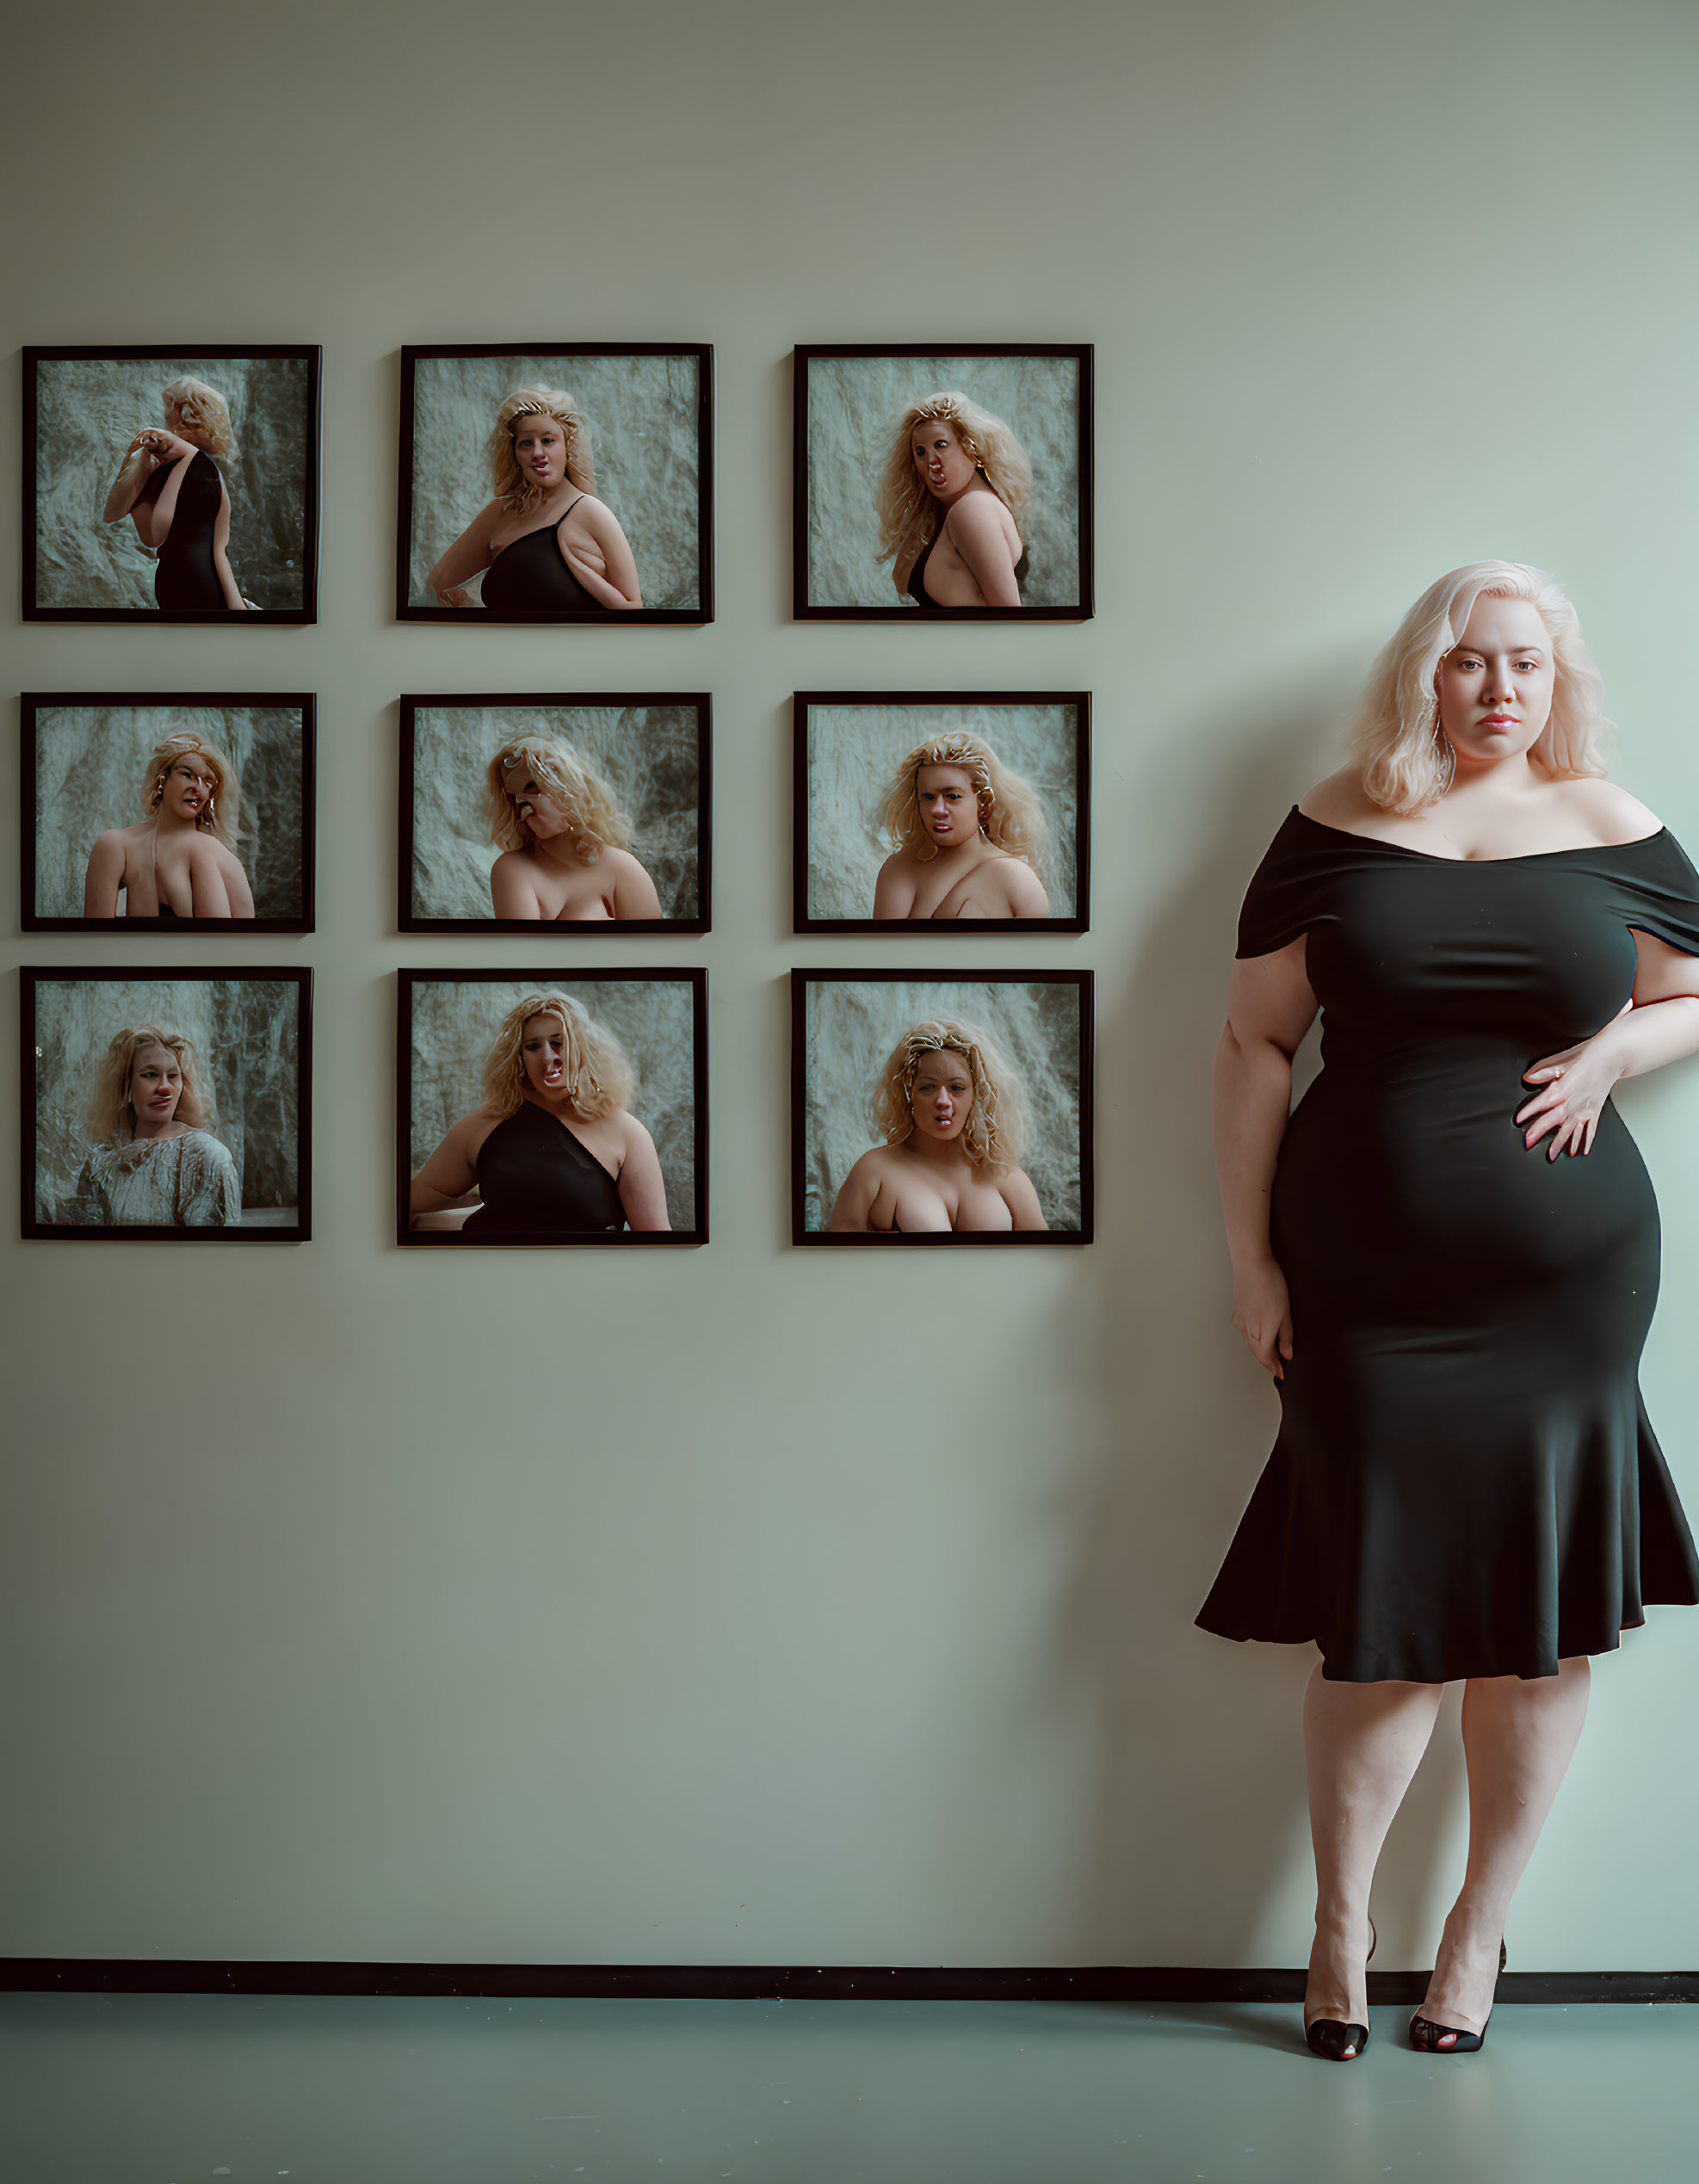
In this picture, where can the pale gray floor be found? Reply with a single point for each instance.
(179, 2089)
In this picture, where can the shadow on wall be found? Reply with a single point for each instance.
(1200, 1810)
(89, 409)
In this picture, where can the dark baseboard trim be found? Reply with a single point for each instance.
(791, 1983)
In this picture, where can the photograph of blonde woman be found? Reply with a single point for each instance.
(976, 1094)
(565, 487)
(584, 1122)
(180, 861)
(167, 813)
(544, 543)
(164, 1104)
(948, 806)
(519, 811)
(949, 485)
(164, 484)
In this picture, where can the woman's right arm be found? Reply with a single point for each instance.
(469, 553)
(105, 876)
(133, 473)
(1270, 1005)
(855, 1201)
(449, 1174)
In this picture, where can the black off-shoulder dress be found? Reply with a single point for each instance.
(1465, 1483)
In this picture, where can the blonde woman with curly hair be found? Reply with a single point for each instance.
(171, 486)
(966, 832)
(952, 1113)
(1466, 1487)
(951, 498)
(565, 843)
(553, 1148)
(155, 1163)
(546, 545)
(179, 861)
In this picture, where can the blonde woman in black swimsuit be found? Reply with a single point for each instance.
(546, 545)
(171, 488)
(951, 497)
(180, 860)
(554, 1149)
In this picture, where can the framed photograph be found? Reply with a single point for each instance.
(176, 484)
(927, 1108)
(970, 806)
(169, 1105)
(953, 483)
(544, 482)
(546, 1107)
(169, 812)
(584, 809)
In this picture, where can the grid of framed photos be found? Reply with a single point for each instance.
(556, 1102)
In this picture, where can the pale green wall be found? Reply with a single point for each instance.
(744, 1603)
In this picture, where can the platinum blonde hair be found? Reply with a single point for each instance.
(206, 408)
(221, 816)
(908, 514)
(600, 1076)
(1010, 816)
(1396, 737)
(996, 1127)
(554, 765)
(512, 488)
(111, 1117)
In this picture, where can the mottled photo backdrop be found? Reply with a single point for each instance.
(90, 769)
(648, 754)
(849, 1027)
(88, 410)
(856, 410)
(642, 417)
(853, 753)
(452, 1025)
(248, 1036)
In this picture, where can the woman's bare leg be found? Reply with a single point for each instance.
(1519, 1739)
(1363, 1742)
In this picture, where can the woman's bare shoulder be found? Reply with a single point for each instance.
(1340, 800)
(976, 515)
(1609, 811)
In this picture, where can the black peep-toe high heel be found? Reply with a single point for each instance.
(1428, 2037)
(1328, 2038)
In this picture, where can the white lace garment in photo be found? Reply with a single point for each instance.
(186, 1182)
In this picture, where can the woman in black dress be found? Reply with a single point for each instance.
(546, 544)
(1448, 1256)
(171, 487)
(553, 1150)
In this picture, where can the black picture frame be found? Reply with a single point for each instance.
(804, 702)
(145, 353)
(474, 617)
(804, 610)
(33, 703)
(409, 920)
(543, 977)
(943, 975)
(32, 978)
